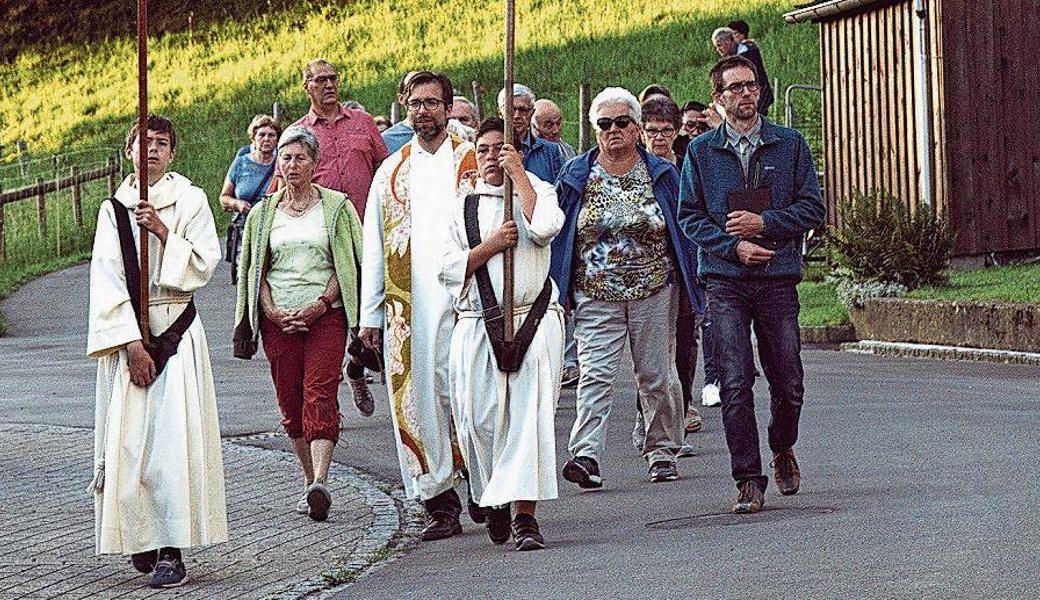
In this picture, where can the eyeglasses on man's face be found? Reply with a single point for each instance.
(323, 79)
(739, 87)
(430, 104)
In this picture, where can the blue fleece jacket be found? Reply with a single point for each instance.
(712, 170)
(569, 191)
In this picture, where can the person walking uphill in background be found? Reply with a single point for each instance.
(508, 439)
(159, 478)
(298, 290)
(748, 194)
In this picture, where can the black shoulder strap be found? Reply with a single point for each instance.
(126, 243)
(488, 302)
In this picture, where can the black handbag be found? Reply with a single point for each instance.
(508, 355)
(163, 346)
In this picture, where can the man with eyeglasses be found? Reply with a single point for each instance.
(351, 147)
(405, 311)
(726, 44)
(748, 193)
(541, 157)
(401, 133)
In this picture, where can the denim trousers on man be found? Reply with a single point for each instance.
(601, 329)
(771, 307)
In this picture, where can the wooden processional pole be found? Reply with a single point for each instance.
(142, 154)
(507, 183)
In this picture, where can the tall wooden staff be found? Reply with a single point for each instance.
(142, 152)
(507, 266)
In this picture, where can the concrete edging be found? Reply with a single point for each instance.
(938, 352)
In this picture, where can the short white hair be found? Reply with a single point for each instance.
(722, 33)
(519, 89)
(615, 95)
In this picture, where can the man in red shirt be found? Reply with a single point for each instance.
(350, 147)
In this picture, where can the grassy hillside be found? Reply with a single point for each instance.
(213, 78)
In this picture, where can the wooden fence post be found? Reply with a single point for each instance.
(77, 197)
(41, 208)
(477, 100)
(583, 121)
(112, 176)
(395, 112)
(276, 112)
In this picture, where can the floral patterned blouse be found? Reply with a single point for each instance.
(622, 238)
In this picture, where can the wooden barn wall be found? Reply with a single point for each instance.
(992, 89)
(867, 62)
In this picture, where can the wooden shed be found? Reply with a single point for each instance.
(936, 102)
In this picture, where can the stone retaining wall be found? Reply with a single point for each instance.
(1000, 326)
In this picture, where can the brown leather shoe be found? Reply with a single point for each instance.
(785, 472)
(750, 498)
(441, 525)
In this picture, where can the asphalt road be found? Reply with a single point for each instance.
(919, 479)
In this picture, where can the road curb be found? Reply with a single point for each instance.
(828, 335)
(937, 352)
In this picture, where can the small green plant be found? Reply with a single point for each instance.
(880, 240)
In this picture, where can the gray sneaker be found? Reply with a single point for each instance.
(663, 470)
(169, 573)
(319, 499)
(685, 451)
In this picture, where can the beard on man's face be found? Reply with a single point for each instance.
(429, 128)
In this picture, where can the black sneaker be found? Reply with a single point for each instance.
(750, 498)
(584, 471)
(144, 562)
(477, 513)
(169, 573)
(498, 520)
(663, 470)
(526, 534)
(441, 525)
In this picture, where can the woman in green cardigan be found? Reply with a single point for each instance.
(298, 280)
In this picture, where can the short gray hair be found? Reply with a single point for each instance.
(722, 33)
(297, 134)
(519, 89)
(615, 95)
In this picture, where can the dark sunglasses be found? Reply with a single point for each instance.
(604, 123)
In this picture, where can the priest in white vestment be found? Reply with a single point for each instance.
(159, 480)
(507, 438)
(405, 311)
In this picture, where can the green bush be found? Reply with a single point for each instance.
(879, 240)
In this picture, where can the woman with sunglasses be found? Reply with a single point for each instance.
(619, 263)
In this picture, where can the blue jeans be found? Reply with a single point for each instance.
(771, 307)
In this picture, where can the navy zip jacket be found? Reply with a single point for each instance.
(569, 190)
(712, 170)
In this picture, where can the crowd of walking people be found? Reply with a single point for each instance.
(359, 246)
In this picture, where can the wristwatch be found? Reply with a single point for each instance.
(325, 300)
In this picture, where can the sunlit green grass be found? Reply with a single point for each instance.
(820, 305)
(994, 284)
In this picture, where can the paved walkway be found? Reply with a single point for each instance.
(47, 525)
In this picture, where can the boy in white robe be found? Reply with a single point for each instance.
(508, 440)
(159, 480)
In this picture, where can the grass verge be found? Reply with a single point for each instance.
(820, 305)
(1019, 283)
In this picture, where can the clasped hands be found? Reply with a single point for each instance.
(746, 225)
(298, 320)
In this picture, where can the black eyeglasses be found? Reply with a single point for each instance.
(427, 103)
(740, 86)
(604, 123)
